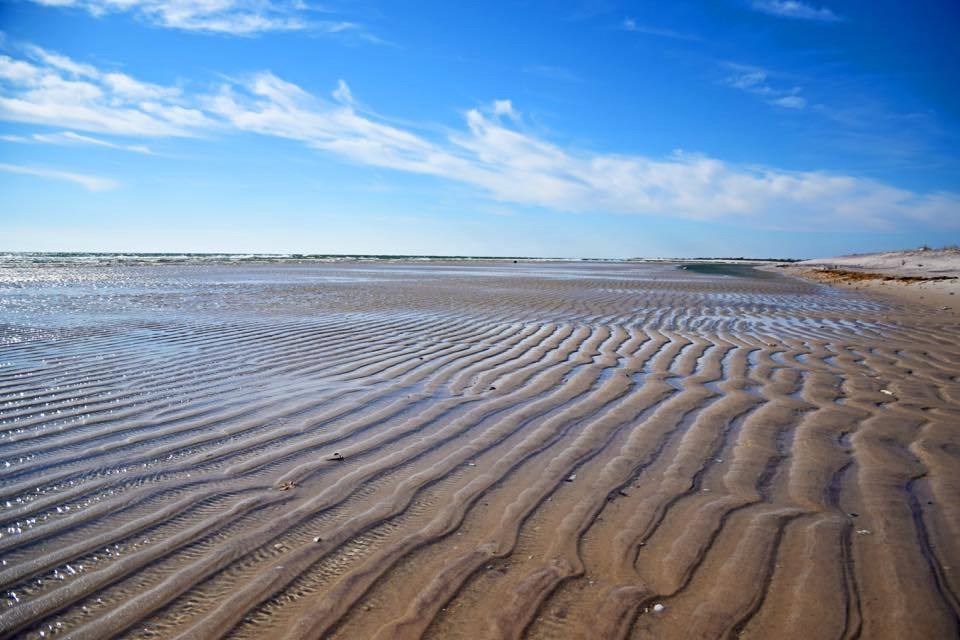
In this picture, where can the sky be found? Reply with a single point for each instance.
(593, 128)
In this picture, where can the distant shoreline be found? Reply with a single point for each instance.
(40, 258)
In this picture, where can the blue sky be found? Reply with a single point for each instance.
(601, 129)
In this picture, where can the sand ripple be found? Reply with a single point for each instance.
(542, 451)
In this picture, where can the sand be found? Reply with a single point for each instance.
(927, 277)
(473, 451)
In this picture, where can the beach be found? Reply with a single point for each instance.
(473, 449)
(919, 277)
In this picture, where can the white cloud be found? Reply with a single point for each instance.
(754, 80)
(342, 93)
(62, 63)
(231, 17)
(790, 102)
(629, 24)
(90, 183)
(237, 17)
(51, 89)
(757, 81)
(504, 108)
(512, 166)
(71, 138)
(795, 9)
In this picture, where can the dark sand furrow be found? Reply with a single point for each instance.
(744, 578)
(917, 490)
(940, 487)
(886, 471)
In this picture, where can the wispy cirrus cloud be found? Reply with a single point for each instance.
(629, 24)
(88, 182)
(70, 138)
(225, 17)
(795, 9)
(492, 152)
(756, 81)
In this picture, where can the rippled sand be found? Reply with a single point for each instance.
(530, 450)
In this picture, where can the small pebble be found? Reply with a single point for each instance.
(658, 608)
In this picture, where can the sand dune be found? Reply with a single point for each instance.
(472, 451)
(929, 277)
(916, 262)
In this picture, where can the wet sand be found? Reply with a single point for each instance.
(565, 450)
